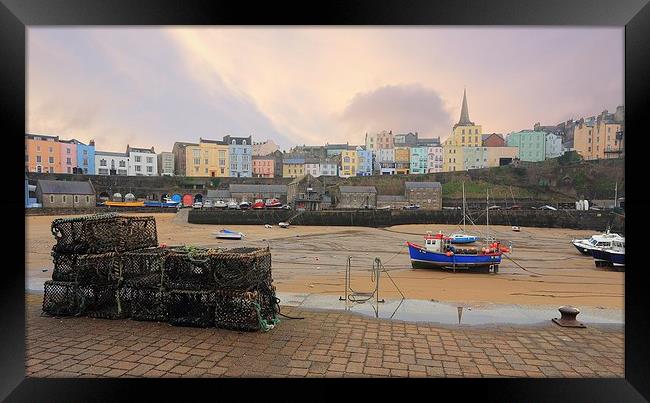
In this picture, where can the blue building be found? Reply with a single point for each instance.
(364, 162)
(86, 156)
(240, 153)
(418, 161)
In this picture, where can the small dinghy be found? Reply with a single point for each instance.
(227, 234)
(284, 225)
(516, 228)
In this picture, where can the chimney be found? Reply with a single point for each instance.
(91, 143)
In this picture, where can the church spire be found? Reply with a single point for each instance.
(464, 113)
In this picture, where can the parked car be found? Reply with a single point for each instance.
(197, 205)
(208, 204)
(411, 207)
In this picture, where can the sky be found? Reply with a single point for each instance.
(152, 86)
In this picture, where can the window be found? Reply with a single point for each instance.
(197, 161)
(68, 161)
(122, 164)
(68, 169)
(206, 161)
(206, 170)
(64, 198)
(150, 169)
(87, 199)
(86, 153)
(38, 148)
(51, 197)
(137, 168)
(67, 150)
(463, 131)
(51, 159)
(137, 158)
(50, 149)
(76, 198)
(149, 160)
(233, 141)
(85, 161)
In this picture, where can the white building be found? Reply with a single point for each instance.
(434, 159)
(328, 168)
(142, 161)
(313, 169)
(386, 159)
(166, 163)
(110, 163)
(553, 146)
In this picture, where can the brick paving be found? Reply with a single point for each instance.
(324, 344)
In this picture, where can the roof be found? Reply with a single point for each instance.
(357, 189)
(238, 140)
(65, 187)
(111, 154)
(220, 142)
(464, 113)
(294, 161)
(218, 194)
(139, 150)
(239, 188)
(45, 136)
(422, 185)
(486, 136)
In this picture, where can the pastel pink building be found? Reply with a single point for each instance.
(67, 156)
(263, 167)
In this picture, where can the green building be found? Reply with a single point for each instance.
(418, 160)
(531, 144)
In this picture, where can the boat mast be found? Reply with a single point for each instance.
(463, 207)
(616, 195)
(487, 212)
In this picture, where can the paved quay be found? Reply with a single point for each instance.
(324, 343)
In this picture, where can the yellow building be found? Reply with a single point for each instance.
(597, 138)
(208, 158)
(293, 167)
(349, 163)
(495, 154)
(402, 160)
(452, 157)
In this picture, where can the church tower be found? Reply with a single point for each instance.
(464, 134)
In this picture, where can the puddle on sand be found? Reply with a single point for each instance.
(413, 310)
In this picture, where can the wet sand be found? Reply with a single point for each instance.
(313, 259)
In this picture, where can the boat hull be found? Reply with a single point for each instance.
(616, 259)
(424, 259)
(582, 249)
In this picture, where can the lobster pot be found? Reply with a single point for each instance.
(185, 271)
(144, 267)
(88, 234)
(61, 298)
(191, 308)
(85, 269)
(241, 268)
(102, 233)
(102, 301)
(147, 304)
(237, 311)
(137, 233)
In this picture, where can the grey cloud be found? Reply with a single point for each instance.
(400, 108)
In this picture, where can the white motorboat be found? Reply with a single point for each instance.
(596, 242)
(227, 234)
(233, 205)
(283, 225)
(220, 204)
(516, 228)
(244, 205)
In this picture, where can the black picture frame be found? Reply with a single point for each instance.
(17, 15)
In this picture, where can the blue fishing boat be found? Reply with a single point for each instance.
(439, 253)
(462, 238)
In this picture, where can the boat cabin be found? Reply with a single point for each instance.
(436, 243)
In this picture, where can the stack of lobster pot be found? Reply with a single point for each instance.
(87, 263)
(230, 289)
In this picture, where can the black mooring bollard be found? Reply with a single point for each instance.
(568, 317)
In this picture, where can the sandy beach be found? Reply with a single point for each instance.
(313, 259)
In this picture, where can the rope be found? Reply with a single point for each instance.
(520, 266)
